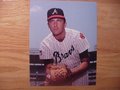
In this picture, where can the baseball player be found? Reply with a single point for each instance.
(66, 47)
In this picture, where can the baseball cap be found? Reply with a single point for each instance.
(55, 13)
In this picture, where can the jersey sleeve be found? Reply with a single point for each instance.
(81, 42)
(44, 51)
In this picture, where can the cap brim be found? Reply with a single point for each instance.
(56, 16)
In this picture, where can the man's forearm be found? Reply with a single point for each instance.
(82, 67)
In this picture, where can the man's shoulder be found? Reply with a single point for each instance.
(47, 38)
(75, 34)
(72, 32)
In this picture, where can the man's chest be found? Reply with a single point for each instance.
(62, 51)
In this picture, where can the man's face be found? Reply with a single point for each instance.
(57, 26)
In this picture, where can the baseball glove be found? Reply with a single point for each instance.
(56, 73)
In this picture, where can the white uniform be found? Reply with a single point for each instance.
(67, 51)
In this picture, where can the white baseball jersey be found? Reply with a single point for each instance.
(67, 51)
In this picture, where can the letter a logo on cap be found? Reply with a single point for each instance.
(55, 11)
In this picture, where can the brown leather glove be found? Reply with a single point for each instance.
(56, 73)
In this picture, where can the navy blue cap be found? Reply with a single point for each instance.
(55, 13)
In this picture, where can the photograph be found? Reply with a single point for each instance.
(62, 43)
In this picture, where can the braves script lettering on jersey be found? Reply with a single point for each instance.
(60, 56)
(67, 51)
